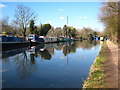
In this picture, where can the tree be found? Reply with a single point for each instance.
(36, 31)
(85, 32)
(6, 27)
(90, 37)
(65, 30)
(94, 34)
(44, 29)
(23, 15)
(72, 32)
(32, 27)
(109, 16)
(57, 32)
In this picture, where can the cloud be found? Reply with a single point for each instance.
(2, 5)
(60, 10)
(50, 22)
(82, 17)
(62, 18)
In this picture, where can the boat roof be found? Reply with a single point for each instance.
(41, 37)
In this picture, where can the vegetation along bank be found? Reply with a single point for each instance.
(96, 78)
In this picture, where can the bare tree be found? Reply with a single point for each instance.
(109, 13)
(23, 15)
(6, 27)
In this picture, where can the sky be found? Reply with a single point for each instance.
(80, 14)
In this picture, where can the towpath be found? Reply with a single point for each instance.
(112, 68)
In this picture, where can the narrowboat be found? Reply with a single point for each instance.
(32, 38)
(96, 38)
(64, 39)
(12, 42)
(41, 39)
(102, 38)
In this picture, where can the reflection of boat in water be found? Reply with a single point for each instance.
(13, 52)
(45, 50)
(41, 50)
(42, 47)
(64, 43)
(32, 50)
(45, 55)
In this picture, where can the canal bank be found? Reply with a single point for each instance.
(104, 71)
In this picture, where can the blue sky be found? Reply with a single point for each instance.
(80, 14)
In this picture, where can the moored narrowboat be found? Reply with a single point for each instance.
(10, 42)
(41, 39)
(64, 39)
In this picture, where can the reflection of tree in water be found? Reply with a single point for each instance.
(88, 44)
(45, 54)
(59, 48)
(51, 50)
(71, 48)
(24, 67)
(6, 55)
(32, 58)
(85, 44)
(95, 42)
(6, 61)
(65, 50)
(33, 53)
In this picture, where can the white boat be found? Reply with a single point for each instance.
(101, 38)
(41, 39)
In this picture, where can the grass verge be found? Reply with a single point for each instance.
(96, 78)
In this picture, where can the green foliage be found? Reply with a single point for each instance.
(44, 29)
(65, 28)
(69, 31)
(94, 34)
(90, 37)
(36, 31)
(32, 27)
(72, 32)
(88, 33)
(109, 16)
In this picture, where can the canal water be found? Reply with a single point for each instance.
(56, 65)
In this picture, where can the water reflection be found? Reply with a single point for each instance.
(27, 62)
(24, 67)
(47, 50)
(13, 52)
(88, 44)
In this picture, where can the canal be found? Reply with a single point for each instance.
(56, 65)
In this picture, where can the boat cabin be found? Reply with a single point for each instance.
(32, 37)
